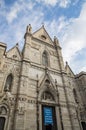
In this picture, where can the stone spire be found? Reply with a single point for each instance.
(56, 41)
(29, 29)
(17, 44)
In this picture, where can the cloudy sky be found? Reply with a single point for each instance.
(65, 19)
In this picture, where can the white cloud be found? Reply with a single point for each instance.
(61, 3)
(75, 35)
(83, 69)
(74, 38)
(48, 2)
(75, 2)
(13, 32)
(51, 2)
(58, 27)
(2, 8)
(64, 3)
(13, 13)
(1, 3)
(18, 7)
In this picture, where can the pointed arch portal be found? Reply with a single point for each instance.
(48, 112)
(83, 125)
(48, 118)
(48, 115)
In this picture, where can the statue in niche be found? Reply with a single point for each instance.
(8, 83)
(47, 83)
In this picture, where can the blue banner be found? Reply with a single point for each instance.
(48, 118)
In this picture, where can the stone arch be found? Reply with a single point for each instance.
(4, 109)
(4, 115)
(48, 98)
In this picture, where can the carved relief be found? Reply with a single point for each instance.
(3, 110)
(47, 96)
(21, 110)
(8, 99)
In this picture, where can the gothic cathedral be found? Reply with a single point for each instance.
(36, 91)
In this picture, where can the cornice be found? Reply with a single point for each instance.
(13, 59)
(80, 74)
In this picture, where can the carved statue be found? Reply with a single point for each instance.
(47, 96)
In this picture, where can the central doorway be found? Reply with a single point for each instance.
(48, 127)
(83, 125)
(2, 123)
(48, 118)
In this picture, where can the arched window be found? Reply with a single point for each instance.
(45, 58)
(8, 83)
(75, 95)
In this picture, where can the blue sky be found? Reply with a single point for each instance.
(65, 19)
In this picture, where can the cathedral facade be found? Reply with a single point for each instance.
(36, 91)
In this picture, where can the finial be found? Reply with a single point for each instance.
(56, 41)
(42, 24)
(66, 63)
(17, 44)
(29, 29)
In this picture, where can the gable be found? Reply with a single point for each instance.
(46, 76)
(14, 53)
(42, 34)
(68, 70)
